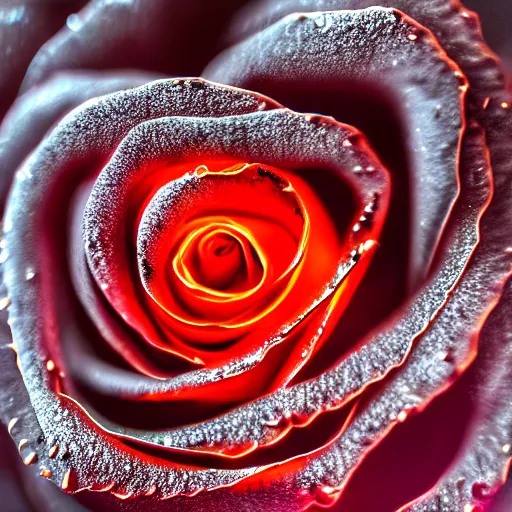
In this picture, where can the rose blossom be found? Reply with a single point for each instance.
(220, 298)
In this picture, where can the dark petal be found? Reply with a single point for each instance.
(397, 57)
(24, 27)
(171, 37)
(489, 267)
(484, 460)
(375, 355)
(34, 113)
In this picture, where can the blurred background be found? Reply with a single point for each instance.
(496, 17)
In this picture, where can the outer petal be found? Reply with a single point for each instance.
(24, 27)
(459, 33)
(315, 50)
(473, 290)
(35, 112)
(172, 37)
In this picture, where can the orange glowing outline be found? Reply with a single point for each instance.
(294, 267)
(226, 226)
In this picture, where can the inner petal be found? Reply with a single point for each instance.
(218, 250)
(218, 261)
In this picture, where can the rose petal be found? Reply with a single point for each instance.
(86, 136)
(24, 27)
(167, 37)
(405, 62)
(484, 278)
(375, 356)
(35, 112)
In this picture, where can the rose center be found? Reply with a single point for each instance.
(220, 260)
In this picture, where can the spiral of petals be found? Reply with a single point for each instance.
(184, 326)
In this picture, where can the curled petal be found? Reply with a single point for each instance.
(398, 56)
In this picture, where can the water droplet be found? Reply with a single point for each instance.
(4, 303)
(45, 473)
(324, 21)
(74, 23)
(448, 355)
(11, 425)
(505, 105)
(506, 448)
(486, 102)
(366, 246)
(68, 481)
(364, 220)
(53, 451)
(31, 458)
(280, 421)
(480, 490)
(50, 365)
(412, 37)
(326, 495)
(23, 174)
(29, 274)
(346, 143)
(401, 416)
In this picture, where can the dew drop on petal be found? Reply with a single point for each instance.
(74, 23)
(480, 490)
(402, 416)
(3, 256)
(45, 472)
(31, 458)
(11, 425)
(53, 451)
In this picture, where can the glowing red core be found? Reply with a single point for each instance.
(220, 260)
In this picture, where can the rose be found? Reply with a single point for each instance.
(443, 317)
